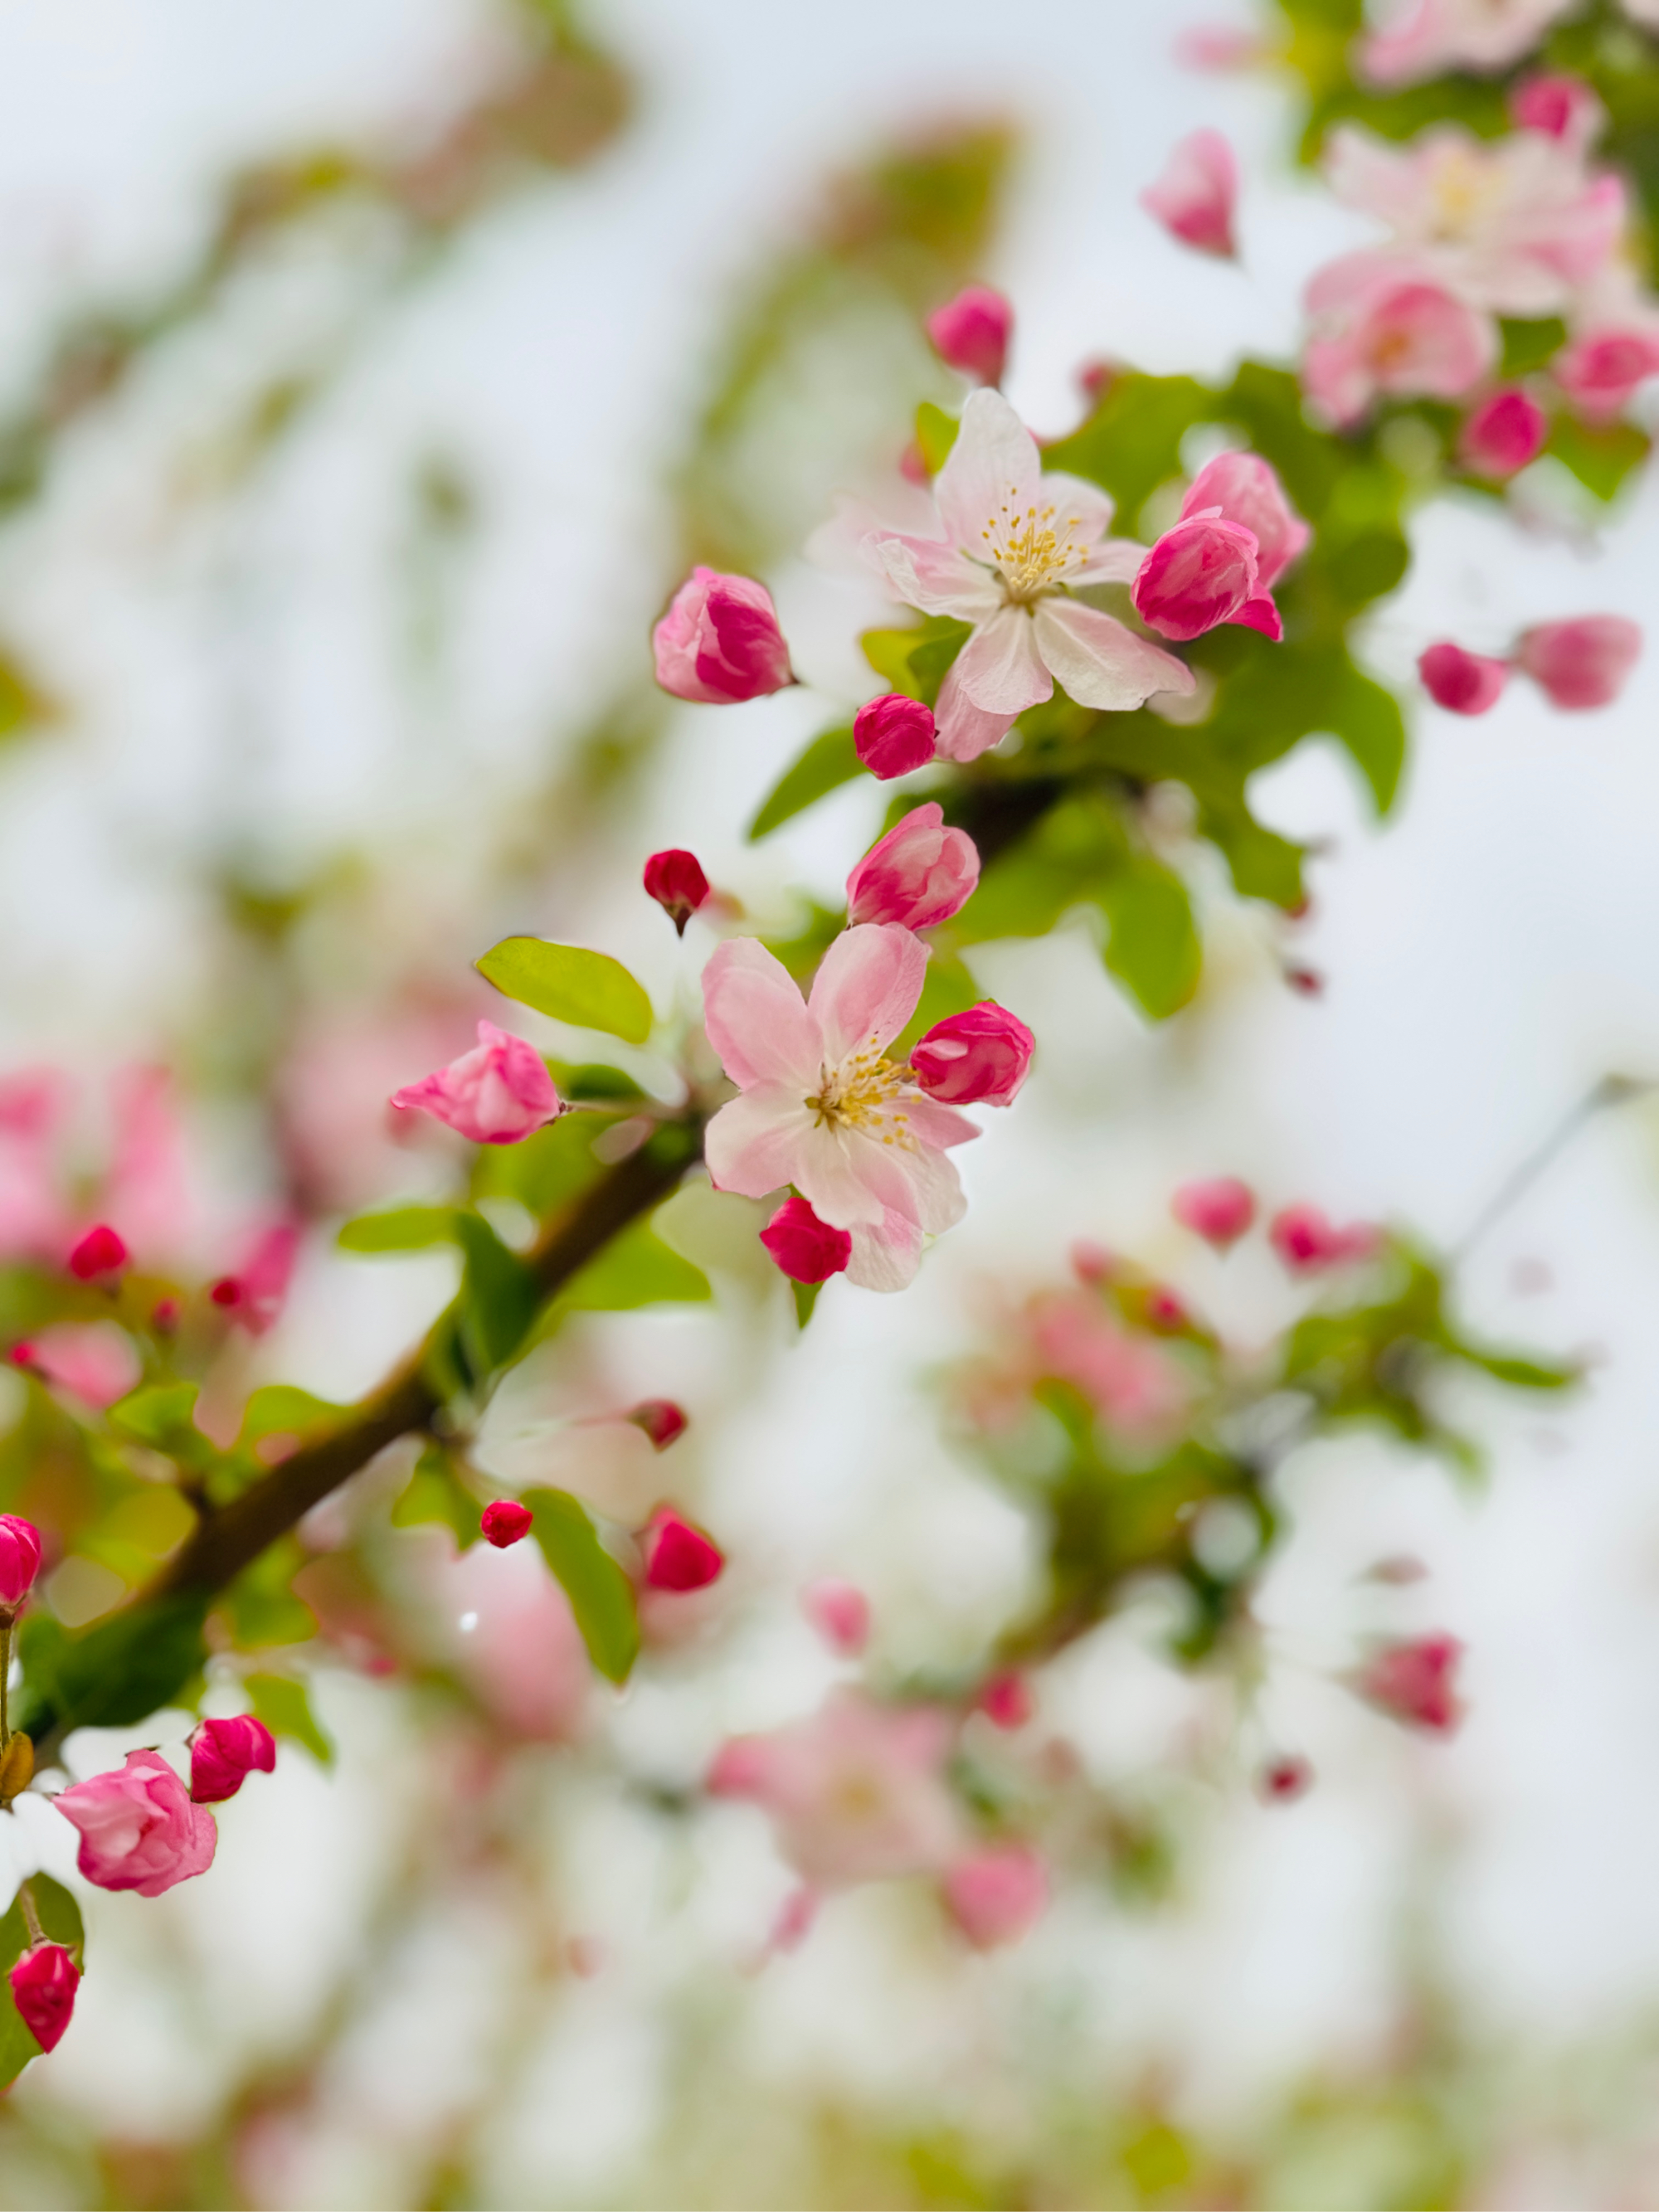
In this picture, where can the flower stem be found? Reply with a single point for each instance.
(31, 1918)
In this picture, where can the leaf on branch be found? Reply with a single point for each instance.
(936, 433)
(1601, 458)
(828, 762)
(590, 990)
(435, 1493)
(498, 1297)
(159, 1415)
(916, 659)
(601, 1595)
(114, 1675)
(546, 1171)
(1153, 949)
(636, 1268)
(284, 1706)
(398, 1228)
(261, 1610)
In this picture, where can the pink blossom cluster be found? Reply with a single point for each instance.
(1578, 664)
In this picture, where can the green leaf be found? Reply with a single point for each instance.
(601, 1595)
(261, 1608)
(1599, 459)
(284, 1706)
(60, 1918)
(1153, 948)
(828, 763)
(436, 1493)
(917, 659)
(1131, 442)
(806, 1298)
(571, 984)
(936, 433)
(1529, 345)
(498, 1297)
(159, 1414)
(114, 1675)
(398, 1228)
(283, 1409)
(1368, 720)
(1060, 863)
(636, 1268)
(545, 1172)
(593, 1082)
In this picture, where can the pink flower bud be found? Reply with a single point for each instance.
(223, 1753)
(138, 1828)
(807, 1249)
(1462, 683)
(996, 1895)
(20, 1551)
(497, 1094)
(504, 1521)
(1245, 489)
(971, 332)
(1201, 573)
(841, 1614)
(1562, 107)
(1603, 368)
(920, 874)
(1415, 1682)
(1006, 1700)
(1283, 1780)
(1165, 1311)
(678, 884)
(1195, 198)
(979, 1058)
(1582, 663)
(892, 735)
(44, 1983)
(1504, 433)
(100, 1252)
(663, 1421)
(678, 1556)
(720, 641)
(1308, 1242)
(1219, 1210)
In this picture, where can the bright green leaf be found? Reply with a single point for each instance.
(936, 433)
(636, 1268)
(601, 1595)
(499, 1295)
(571, 984)
(115, 1674)
(435, 1493)
(284, 1706)
(827, 763)
(805, 1298)
(1601, 458)
(159, 1414)
(1153, 949)
(398, 1228)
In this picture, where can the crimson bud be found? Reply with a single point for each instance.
(893, 734)
(19, 1553)
(678, 884)
(223, 1753)
(808, 1250)
(678, 1556)
(44, 1983)
(1462, 683)
(663, 1421)
(505, 1522)
(100, 1252)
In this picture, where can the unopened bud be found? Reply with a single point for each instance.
(505, 1522)
(808, 1250)
(1283, 1780)
(1006, 1700)
(1220, 1210)
(44, 1983)
(971, 332)
(841, 1614)
(1416, 1682)
(20, 1554)
(676, 880)
(1462, 683)
(663, 1421)
(16, 1769)
(100, 1252)
(894, 734)
(223, 1753)
(678, 1556)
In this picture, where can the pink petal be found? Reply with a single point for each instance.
(1101, 663)
(1261, 614)
(756, 1020)
(993, 464)
(1000, 668)
(929, 574)
(753, 1142)
(886, 1255)
(966, 731)
(867, 986)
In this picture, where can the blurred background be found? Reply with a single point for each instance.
(369, 374)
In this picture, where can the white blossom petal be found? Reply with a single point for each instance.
(756, 1019)
(965, 731)
(993, 465)
(1101, 663)
(866, 986)
(1000, 669)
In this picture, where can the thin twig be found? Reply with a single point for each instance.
(1611, 1090)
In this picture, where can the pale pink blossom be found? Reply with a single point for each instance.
(1309, 1242)
(720, 641)
(1582, 663)
(1463, 683)
(1218, 1208)
(147, 1192)
(919, 874)
(1243, 488)
(1562, 107)
(1195, 197)
(523, 1657)
(255, 1293)
(20, 1559)
(498, 1093)
(1612, 351)
(1074, 1336)
(1426, 38)
(1393, 335)
(138, 1827)
(840, 1612)
(996, 1894)
(1219, 49)
(971, 332)
(822, 1106)
(94, 1361)
(1516, 225)
(224, 1753)
(1202, 573)
(856, 1792)
(1013, 544)
(1504, 433)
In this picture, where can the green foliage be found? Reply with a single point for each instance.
(828, 762)
(916, 659)
(113, 1675)
(60, 1919)
(284, 1706)
(159, 1415)
(936, 433)
(635, 1269)
(1530, 344)
(498, 1297)
(260, 1610)
(601, 1595)
(400, 1229)
(589, 989)
(1152, 948)
(805, 1297)
(281, 1409)
(1601, 457)
(545, 1172)
(436, 1493)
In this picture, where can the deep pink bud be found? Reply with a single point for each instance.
(1283, 1780)
(498, 1093)
(1220, 1210)
(504, 1521)
(996, 1894)
(1308, 982)
(663, 1421)
(1201, 573)
(678, 884)
(226, 1292)
(841, 1614)
(678, 1556)
(223, 1753)
(920, 874)
(1246, 490)
(138, 1827)
(1006, 1700)
(1582, 663)
(1195, 198)
(971, 332)
(100, 1252)
(979, 1058)
(1562, 107)
(1416, 1682)
(720, 641)
(20, 1547)
(807, 1249)
(44, 1983)
(1308, 1242)
(892, 735)
(1504, 433)
(1462, 683)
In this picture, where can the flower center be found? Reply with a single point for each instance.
(1461, 191)
(859, 1092)
(1030, 548)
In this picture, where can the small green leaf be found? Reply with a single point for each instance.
(60, 1918)
(261, 1608)
(158, 1415)
(498, 1297)
(398, 1228)
(283, 1409)
(1153, 948)
(1529, 345)
(806, 1297)
(116, 1673)
(571, 984)
(636, 1268)
(284, 1706)
(601, 1595)
(936, 433)
(827, 763)
(1601, 458)
(917, 659)
(436, 1493)
(545, 1172)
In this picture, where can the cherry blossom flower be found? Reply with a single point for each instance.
(1423, 38)
(1195, 195)
(1309, 1244)
(1504, 433)
(1219, 1209)
(720, 641)
(1613, 349)
(1463, 683)
(840, 1612)
(918, 875)
(1415, 1681)
(505, 1522)
(893, 735)
(678, 1556)
(676, 880)
(806, 1249)
(1200, 574)
(1562, 107)
(1013, 544)
(94, 1361)
(1382, 331)
(822, 1107)
(979, 1058)
(224, 1753)
(1582, 663)
(20, 1559)
(971, 332)
(998, 1894)
(1243, 488)
(856, 1791)
(44, 1983)
(498, 1093)
(138, 1827)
